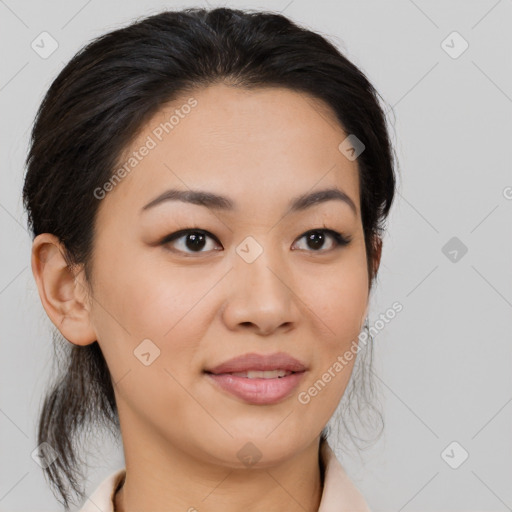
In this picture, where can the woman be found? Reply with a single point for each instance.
(207, 191)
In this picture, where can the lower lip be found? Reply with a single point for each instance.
(258, 391)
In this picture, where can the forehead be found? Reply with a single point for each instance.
(258, 146)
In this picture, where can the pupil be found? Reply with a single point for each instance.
(196, 241)
(317, 240)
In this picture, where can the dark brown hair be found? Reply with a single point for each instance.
(94, 109)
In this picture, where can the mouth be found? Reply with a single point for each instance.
(257, 387)
(258, 379)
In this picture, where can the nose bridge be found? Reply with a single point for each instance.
(261, 294)
(258, 266)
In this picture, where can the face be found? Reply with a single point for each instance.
(179, 288)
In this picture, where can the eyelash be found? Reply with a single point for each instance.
(340, 239)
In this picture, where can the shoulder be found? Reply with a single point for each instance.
(102, 497)
(339, 493)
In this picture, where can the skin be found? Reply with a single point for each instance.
(180, 433)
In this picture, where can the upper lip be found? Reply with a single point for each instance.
(257, 362)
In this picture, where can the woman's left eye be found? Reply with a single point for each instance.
(316, 238)
(197, 239)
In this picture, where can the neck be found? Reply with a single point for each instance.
(172, 479)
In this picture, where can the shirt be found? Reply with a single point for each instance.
(339, 494)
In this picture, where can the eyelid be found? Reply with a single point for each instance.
(340, 239)
(182, 232)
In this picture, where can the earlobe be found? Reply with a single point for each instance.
(62, 293)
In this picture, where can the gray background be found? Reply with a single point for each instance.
(444, 363)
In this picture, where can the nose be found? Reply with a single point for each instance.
(261, 297)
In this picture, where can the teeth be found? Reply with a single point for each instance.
(263, 375)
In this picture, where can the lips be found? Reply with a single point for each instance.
(253, 362)
(258, 379)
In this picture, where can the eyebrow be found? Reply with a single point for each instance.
(218, 202)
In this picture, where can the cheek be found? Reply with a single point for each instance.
(339, 301)
(149, 298)
(137, 301)
(149, 327)
(338, 298)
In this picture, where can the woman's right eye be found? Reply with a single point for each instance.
(192, 239)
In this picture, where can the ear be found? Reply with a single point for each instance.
(62, 293)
